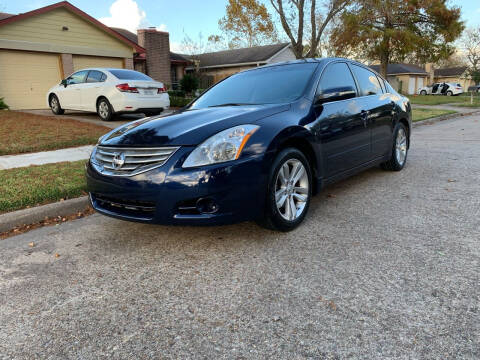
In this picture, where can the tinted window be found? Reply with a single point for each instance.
(335, 76)
(367, 81)
(273, 84)
(382, 85)
(104, 77)
(94, 76)
(129, 75)
(77, 78)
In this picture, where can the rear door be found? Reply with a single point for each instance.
(91, 89)
(339, 126)
(377, 108)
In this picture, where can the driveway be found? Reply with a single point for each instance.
(386, 266)
(93, 118)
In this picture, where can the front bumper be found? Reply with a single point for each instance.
(169, 194)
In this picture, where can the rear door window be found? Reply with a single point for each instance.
(367, 80)
(94, 76)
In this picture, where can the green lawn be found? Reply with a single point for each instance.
(422, 113)
(37, 185)
(24, 132)
(461, 100)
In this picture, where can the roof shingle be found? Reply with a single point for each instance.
(394, 69)
(453, 71)
(239, 56)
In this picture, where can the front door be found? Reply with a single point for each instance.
(340, 126)
(70, 96)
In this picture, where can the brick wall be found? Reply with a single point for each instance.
(157, 46)
(128, 63)
(67, 64)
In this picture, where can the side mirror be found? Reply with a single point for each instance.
(64, 82)
(335, 94)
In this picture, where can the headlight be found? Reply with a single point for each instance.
(224, 146)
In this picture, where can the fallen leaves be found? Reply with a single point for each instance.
(31, 244)
(48, 221)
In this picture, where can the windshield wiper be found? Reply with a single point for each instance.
(232, 104)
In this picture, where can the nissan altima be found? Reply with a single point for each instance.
(256, 146)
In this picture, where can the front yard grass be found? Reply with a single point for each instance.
(423, 114)
(25, 133)
(460, 100)
(38, 185)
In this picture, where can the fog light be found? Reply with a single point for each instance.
(207, 206)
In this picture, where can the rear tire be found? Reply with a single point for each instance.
(399, 152)
(289, 191)
(104, 110)
(55, 105)
(449, 93)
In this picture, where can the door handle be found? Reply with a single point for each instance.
(364, 114)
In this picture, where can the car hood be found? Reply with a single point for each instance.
(188, 127)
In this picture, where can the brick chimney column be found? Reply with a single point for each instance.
(157, 46)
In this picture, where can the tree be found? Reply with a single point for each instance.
(470, 43)
(247, 23)
(292, 14)
(390, 30)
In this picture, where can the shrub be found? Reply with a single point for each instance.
(179, 93)
(177, 101)
(2, 104)
(189, 83)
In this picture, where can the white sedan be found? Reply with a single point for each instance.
(448, 89)
(109, 92)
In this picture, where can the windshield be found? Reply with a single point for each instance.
(269, 85)
(129, 75)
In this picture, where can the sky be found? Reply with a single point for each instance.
(179, 17)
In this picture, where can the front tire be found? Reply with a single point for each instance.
(423, 92)
(104, 110)
(55, 105)
(289, 191)
(399, 152)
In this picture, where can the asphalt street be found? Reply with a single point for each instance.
(386, 266)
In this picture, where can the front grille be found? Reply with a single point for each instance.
(118, 161)
(132, 208)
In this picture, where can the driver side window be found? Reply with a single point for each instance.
(335, 77)
(77, 78)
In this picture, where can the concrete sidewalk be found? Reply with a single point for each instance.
(45, 157)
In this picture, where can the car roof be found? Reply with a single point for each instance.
(322, 61)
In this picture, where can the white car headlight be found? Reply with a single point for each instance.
(227, 145)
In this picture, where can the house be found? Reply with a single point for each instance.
(40, 47)
(458, 74)
(221, 64)
(405, 78)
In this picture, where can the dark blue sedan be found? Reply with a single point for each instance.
(256, 146)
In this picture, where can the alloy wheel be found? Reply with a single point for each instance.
(401, 146)
(54, 104)
(291, 189)
(103, 110)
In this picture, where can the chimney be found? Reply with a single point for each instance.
(157, 46)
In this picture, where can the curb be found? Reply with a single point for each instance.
(443, 117)
(33, 215)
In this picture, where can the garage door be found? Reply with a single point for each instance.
(82, 62)
(411, 85)
(26, 77)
